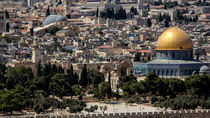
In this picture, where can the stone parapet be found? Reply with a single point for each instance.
(166, 114)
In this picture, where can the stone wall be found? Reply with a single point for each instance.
(168, 114)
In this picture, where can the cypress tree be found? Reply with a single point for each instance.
(196, 17)
(47, 12)
(6, 14)
(7, 27)
(149, 23)
(73, 78)
(47, 70)
(32, 31)
(124, 14)
(54, 68)
(76, 78)
(190, 19)
(117, 92)
(97, 11)
(166, 23)
(83, 80)
(160, 18)
(59, 2)
(39, 69)
(71, 73)
(60, 69)
(137, 57)
(110, 89)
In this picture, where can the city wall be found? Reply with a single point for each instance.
(168, 114)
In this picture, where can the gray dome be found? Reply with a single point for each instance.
(204, 69)
(54, 18)
(14, 26)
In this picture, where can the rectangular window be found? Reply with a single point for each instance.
(173, 55)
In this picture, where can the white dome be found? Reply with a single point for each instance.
(54, 18)
(204, 69)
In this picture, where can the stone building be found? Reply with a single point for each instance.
(29, 63)
(174, 53)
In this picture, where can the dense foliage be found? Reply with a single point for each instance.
(117, 15)
(171, 93)
(21, 89)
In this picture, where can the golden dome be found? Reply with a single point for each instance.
(174, 39)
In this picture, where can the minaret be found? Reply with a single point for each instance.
(35, 52)
(107, 22)
(99, 16)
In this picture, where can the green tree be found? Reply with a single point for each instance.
(166, 23)
(205, 104)
(60, 69)
(6, 14)
(84, 77)
(3, 79)
(38, 108)
(160, 18)
(123, 79)
(14, 99)
(52, 30)
(166, 103)
(103, 89)
(153, 99)
(175, 87)
(195, 19)
(76, 90)
(91, 109)
(72, 78)
(40, 83)
(18, 76)
(185, 102)
(47, 71)
(134, 11)
(109, 13)
(95, 78)
(117, 92)
(130, 88)
(70, 73)
(97, 11)
(7, 27)
(198, 2)
(110, 89)
(198, 85)
(75, 109)
(42, 104)
(47, 12)
(131, 101)
(103, 109)
(151, 82)
(54, 69)
(57, 85)
(142, 89)
(39, 70)
(149, 23)
(120, 14)
(137, 57)
(68, 16)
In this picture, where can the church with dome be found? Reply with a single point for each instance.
(174, 56)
